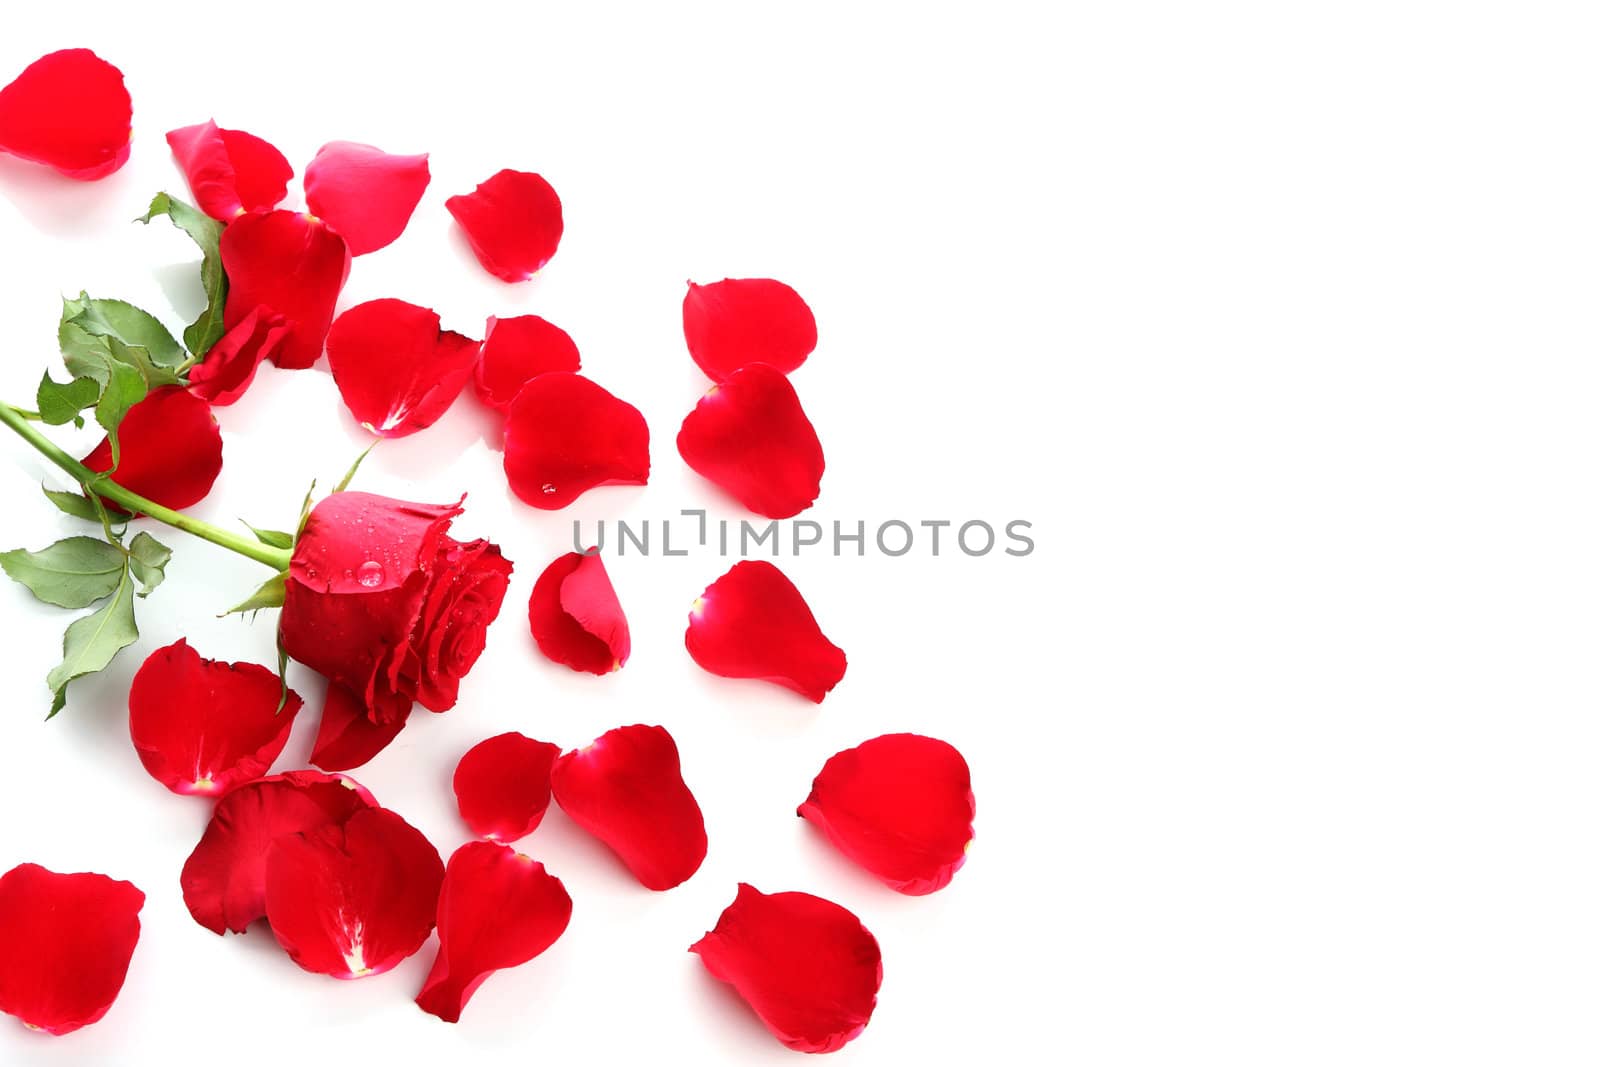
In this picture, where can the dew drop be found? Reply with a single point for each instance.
(370, 573)
(547, 488)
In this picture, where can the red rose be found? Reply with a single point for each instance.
(385, 603)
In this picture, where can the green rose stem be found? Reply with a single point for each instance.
(276, 558)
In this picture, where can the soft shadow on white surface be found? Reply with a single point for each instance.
(180, 282)
(59, 206)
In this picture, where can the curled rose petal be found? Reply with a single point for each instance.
(202, 726)
(626, 788)
(516, 350)
(497, 909)
(171, 449)
(224, 879)
(383, 601)
(396, 369)
(901, 806)
(750, 436)
(230, 365)
(512, 221)
(65, 944)
(739, 321)
(575, 616)
(753, 623)
(503, 785)
(565, 435)
(353, 899)
(294, 266)
(349, 735)
(230, 171)
(68, 110)
(365, 193)
(805, 965)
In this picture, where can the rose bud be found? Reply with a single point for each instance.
(385, 603)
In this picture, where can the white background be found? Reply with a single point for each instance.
(1277, 321)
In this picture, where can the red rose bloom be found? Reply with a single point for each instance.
(385, 603)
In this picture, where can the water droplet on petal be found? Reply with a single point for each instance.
(547, 488)
(370, 573)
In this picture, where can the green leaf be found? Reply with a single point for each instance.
(155, 375)
(126, 388)
(275, 538)
(75, 504)
(60, 403)
(148, 558)
(122, 321)
(349, 475)
(92, 641)
(206, 232)
(269, 595)
(283, 672)
(72, 573)
(305, 508)
(86, 355)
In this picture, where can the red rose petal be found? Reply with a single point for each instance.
(565, 435)
(901, 806)
(230, 365)
(171, 449)
(291, 264)
(753, 623)
(224, 879)
(750, 436)
(260, 172)
(365, 193)
(575, 616)
(805, 965)
(739, 321)
(516, 350)
(69, 110)
(503, 785)
(355, 899)
(348, 735)
(497, 909)
(396, 369)
(230, 171)
(202, 726)
(512, 221)
(65, 944)
(626, 788)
